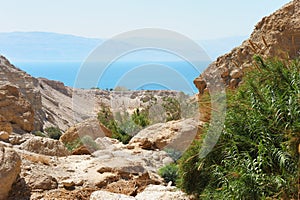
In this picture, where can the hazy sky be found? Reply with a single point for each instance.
(197, 19)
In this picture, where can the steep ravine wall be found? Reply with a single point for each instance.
(275, 36)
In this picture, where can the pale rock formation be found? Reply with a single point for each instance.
(173, 135)
(160, 192)
(17, 113)
(277, 35)
(10, 168)
(45, 146)
(27, 86)
(105, 195)
(89, 127)
(42, 182)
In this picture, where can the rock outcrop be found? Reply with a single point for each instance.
(10, 168)
(45, 146)
(16, 113)
(27, 86)
(277, 35)
(54, 104)
(114, 169)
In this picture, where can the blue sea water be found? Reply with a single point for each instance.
(177, 75)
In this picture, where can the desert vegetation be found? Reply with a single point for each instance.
(256, 156)
(125, 125)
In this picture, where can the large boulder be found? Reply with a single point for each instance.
(173, 134)
(15, 111)
(42, 182)
(160, 192)
(89, 127)
(10, 168)
(45, 146)
(105, 195)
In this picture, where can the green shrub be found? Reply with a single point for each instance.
(169, 173)
(53, 132)
(140, 118)
(256, 156)
(74, 144)
(105, 116)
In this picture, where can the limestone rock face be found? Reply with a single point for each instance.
(15, 110)
(173, 134)
(58, 86)
(27, 86)
(10, 167)
(277, 35)
(45, 146)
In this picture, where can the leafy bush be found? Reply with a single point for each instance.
(140, 118)
(105, 116)
(53, 132)
(256, 156)
(74, 144)
(169, 173)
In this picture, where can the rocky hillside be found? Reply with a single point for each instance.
(86, 162)
(277, 35)
(23, 85)
(44, 103)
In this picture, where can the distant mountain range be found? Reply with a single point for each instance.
(45, 46)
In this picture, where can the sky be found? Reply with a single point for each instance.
(197, 19)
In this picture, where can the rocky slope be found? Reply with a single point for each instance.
(35, 167)
(51, 103)
(43, 169)
(27, 86)
(277, 35)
